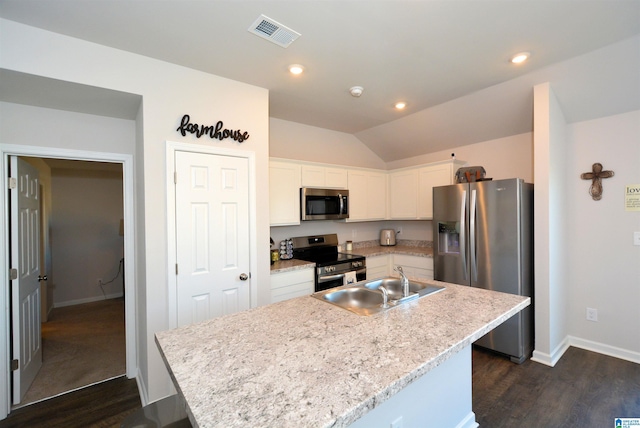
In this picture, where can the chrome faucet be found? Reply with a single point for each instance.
(385, 296)
(405, 281)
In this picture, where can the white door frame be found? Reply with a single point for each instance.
(7, 150)
(172, 148)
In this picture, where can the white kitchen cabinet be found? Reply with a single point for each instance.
(378, 266)
(284, 193)
(367, 195)
(419, 268)
(432, 176)
(411, 189)
(290, 284)
(403, 194)
(324, 177)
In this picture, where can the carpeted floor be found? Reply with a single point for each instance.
(81, 345)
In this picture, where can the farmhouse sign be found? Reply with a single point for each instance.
(216, 131)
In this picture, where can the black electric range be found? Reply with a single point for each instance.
(332, 268)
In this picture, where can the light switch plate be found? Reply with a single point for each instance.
(636, 238)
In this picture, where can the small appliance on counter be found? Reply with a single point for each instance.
(387, 237)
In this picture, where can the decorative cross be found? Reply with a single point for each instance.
(596, 175)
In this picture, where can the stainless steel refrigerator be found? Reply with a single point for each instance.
(483, 237)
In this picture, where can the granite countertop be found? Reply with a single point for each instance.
(304, 362)
(291, 264)
(367, 251)
(379, 250)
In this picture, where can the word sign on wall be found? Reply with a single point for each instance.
(216, 131)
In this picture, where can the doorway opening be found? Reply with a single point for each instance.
(82, 296)
(125, 164)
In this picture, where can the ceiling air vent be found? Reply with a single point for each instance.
(273, 31)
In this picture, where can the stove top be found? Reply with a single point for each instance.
(322, 250)
(328, 259)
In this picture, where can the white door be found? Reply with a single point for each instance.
(25, 289)
(212, 236)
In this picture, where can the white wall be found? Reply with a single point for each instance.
(168, 92)
(604, 266)
(509, 157)
(85, 226)
(291, 140)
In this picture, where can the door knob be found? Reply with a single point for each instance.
(42, 278)
(244, 277)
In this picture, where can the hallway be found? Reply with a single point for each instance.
(82, 344)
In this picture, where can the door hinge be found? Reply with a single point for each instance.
(15, 365)
(175, 178)
(13, 183)
(13, 274)
(176, 268)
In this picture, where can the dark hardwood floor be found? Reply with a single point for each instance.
(584, 389)
(106, 404)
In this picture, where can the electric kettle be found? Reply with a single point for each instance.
(387, 237)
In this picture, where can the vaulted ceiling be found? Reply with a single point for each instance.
(448, 60)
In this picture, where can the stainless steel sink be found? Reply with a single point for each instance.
(394, 287)
(364, 298)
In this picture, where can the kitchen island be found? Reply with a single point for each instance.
(307, 363)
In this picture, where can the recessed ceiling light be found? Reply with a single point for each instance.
(356, 91)
(520, 57)
(296, 69)
(400, 105)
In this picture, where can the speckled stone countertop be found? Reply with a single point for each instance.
(291, 264)
(395, 249)
(368, 250)
(306, 363)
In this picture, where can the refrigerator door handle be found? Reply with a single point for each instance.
(463, 250)
(472, 237)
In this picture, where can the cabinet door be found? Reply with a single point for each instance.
(335, 178)
(358, 194)
(313, 176)
(376, 196)
(428, 178)
(378, 267)
(415, 267)
(287, 285)
(284, 193)
(403, 194)
(321, 176)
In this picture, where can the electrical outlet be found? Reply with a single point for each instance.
(636, 238)
(399, 231)
(99, 282)
(354, 233)
(592, 314)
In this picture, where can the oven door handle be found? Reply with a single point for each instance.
(328, 278)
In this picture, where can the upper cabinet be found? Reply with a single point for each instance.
(411, 189)
(430, 177)
(284, 193)
(324, 177)
(367, 195)
(403, 194)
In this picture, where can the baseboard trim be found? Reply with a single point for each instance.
(601, 348)
(87, 300)
(142, 390)
(551, 359)
(469, 421)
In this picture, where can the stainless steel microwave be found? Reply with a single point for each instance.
(323, 204)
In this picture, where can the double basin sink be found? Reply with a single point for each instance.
(365, 298)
